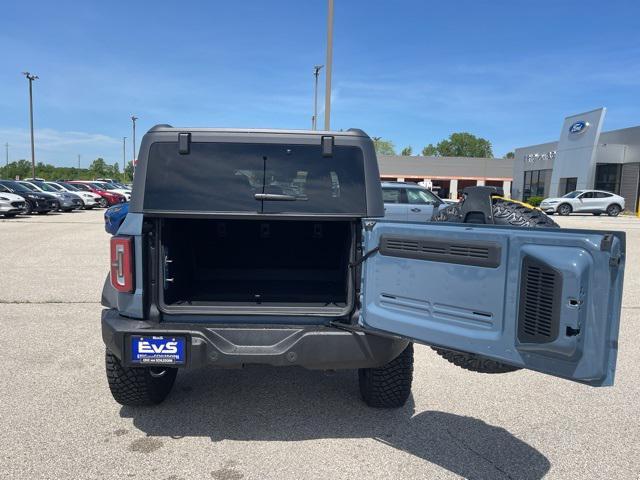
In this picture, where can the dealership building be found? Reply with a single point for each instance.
(448, 176)
(582, 158)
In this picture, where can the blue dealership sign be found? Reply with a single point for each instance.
(579, 127)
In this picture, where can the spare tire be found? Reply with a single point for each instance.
(505, 212)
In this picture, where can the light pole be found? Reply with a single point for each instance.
(327, 92)
(78, 161)
(124, 156)
(133, 120)
(314, 120)
(6, 145)
(31, 78)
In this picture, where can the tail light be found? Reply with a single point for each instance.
(122, 264)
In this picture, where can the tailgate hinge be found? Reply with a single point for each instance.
(358, 329)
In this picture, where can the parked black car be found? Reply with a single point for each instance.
(36, 202)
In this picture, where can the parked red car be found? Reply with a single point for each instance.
(107, 198)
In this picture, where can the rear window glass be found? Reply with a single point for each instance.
(255, 178)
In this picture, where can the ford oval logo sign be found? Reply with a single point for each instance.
(579, 127)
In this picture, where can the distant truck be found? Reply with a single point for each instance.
(270, 247)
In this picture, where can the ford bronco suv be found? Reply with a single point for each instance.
(270, 247)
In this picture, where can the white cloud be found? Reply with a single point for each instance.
(58, 147)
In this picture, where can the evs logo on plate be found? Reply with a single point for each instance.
(579, 127)
(160, 350)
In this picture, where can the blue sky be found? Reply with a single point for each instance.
(409, 71)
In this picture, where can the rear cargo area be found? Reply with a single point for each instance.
(254, 266)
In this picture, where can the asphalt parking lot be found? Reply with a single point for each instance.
(59, 421)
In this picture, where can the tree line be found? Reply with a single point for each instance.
(460, 144)
(99, 168)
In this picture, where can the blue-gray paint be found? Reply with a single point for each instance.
(128, 304)
(475, 309)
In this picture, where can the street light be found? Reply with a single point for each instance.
(124, 156)
(6, 145)
(31, 78)
(133, 119)
(327, 92)
(314, 119)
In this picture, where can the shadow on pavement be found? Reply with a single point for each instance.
(292, 404)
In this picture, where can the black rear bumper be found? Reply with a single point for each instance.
(229, 346)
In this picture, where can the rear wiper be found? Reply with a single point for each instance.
(274, 196)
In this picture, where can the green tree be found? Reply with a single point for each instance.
(99, 168)
(430, 151)
(128, 171)
(464, 144)
(406, 151)
(384, 147)
(510, 155)
(22, 169)
(113, 171)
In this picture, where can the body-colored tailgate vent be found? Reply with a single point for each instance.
(540, 294)
(476, 253)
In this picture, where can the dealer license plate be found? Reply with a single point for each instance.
(153, 350)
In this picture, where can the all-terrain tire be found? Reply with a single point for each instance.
(473, 362)
(388, 386)
(138, 386)
(505, 212)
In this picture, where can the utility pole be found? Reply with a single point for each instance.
(314, 120)
(31, 78)
(6, 145)
(124, 157)
(327, 92)
(133, 119)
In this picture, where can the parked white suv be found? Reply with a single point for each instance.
(409, 202)
(584, 201)
(10, 203)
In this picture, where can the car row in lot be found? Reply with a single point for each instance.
(41, 196)
(596, 202)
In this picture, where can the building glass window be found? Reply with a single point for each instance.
(534, 181)
(567, 185)
(608, 177)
